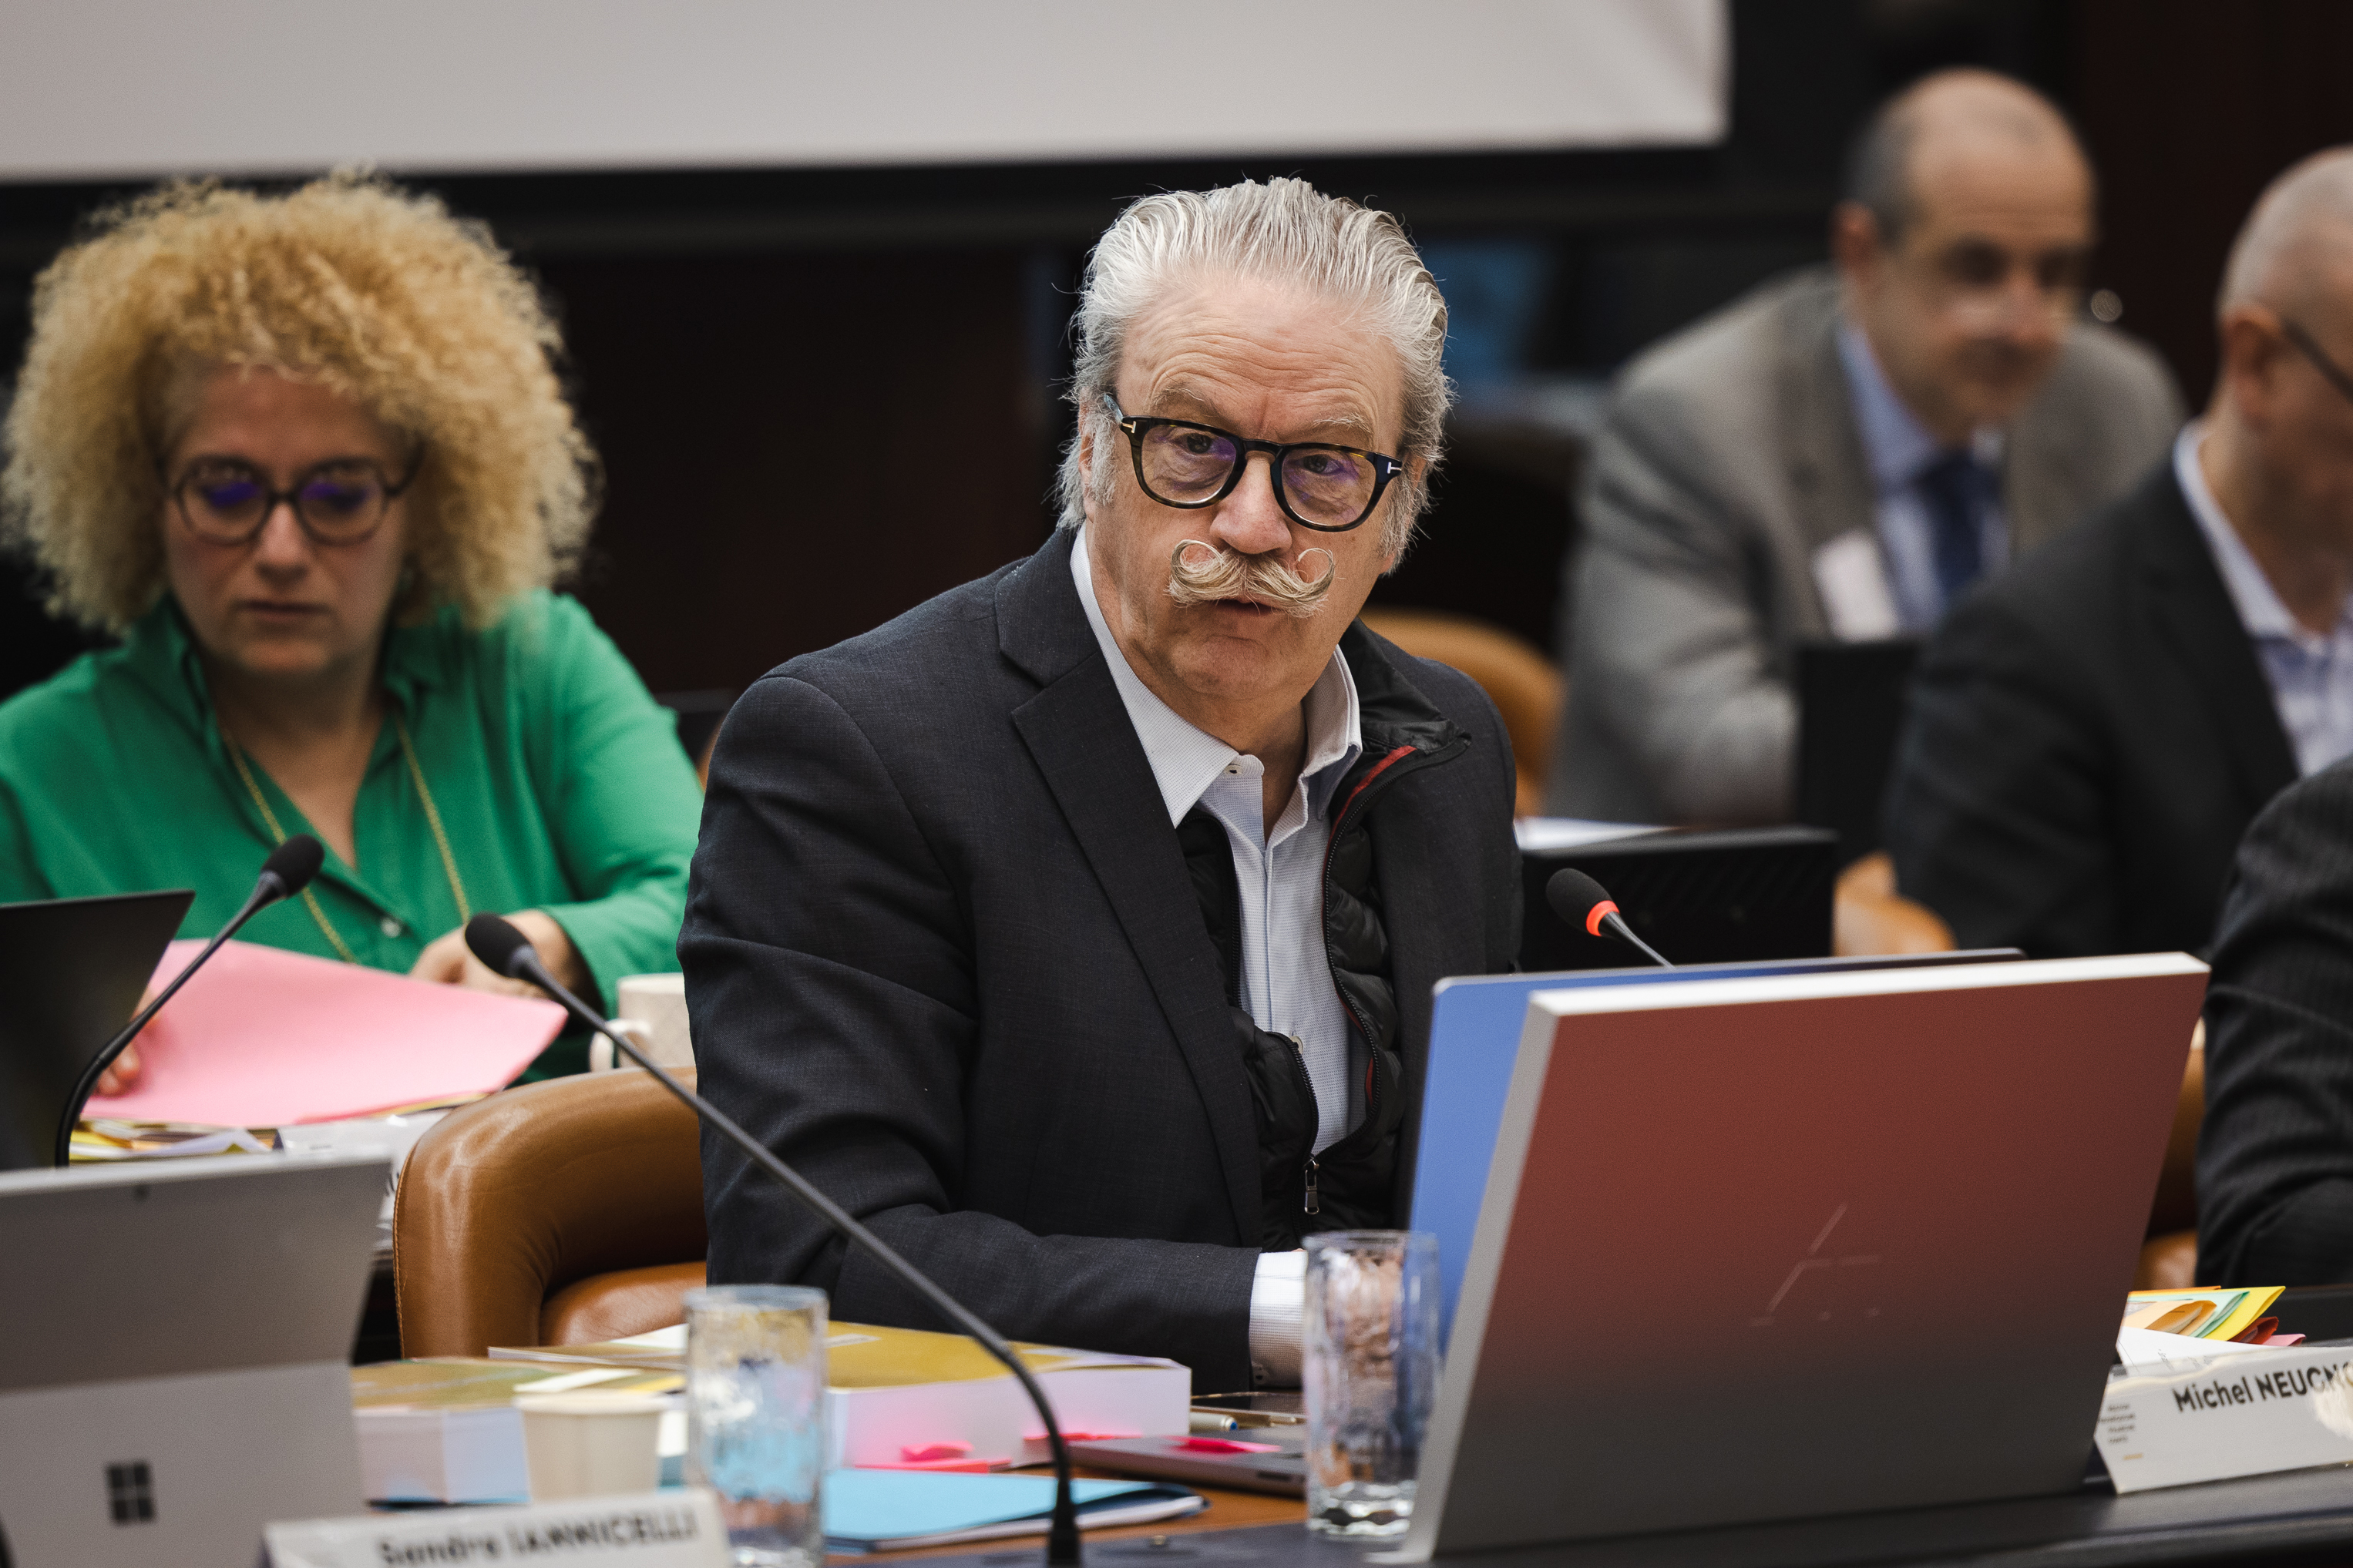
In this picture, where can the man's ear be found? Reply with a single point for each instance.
(1856, 244)
(1087, 467)
(2252, 348)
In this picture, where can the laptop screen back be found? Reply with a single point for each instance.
(72, 970)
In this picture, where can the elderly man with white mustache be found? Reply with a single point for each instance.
(1077, 928)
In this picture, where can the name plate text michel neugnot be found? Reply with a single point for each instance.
(2174, 1423)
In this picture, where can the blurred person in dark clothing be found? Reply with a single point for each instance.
(2089, 736)
(2275, 1151)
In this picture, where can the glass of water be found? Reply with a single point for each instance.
(755, 1418)
(1370, 1365)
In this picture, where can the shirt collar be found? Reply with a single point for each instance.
(1184, 760)
(1896, 445)
(2261, 609)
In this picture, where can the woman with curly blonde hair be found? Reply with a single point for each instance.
(309, 457)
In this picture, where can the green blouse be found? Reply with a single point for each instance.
(559, 780)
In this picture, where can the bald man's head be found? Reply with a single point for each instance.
(1954, 114)
(2295, 252)
(2278, 447)
(1963, 246)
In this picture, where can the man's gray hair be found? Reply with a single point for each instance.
(1284, 231)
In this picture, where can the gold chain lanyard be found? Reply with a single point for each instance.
(432, 818)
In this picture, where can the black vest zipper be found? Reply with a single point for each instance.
(1298, 1066)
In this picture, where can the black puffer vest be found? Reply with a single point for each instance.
(1351, 1184)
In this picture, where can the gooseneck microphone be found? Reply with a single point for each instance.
(506, 950)
(1582, 902)
(287, 872)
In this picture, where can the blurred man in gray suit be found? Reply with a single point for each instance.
(1842, 452)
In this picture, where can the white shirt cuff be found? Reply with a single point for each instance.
(1277, 1309)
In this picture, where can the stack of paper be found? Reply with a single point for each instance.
(2222, 1315)
(446, 1430)
(895, 1395)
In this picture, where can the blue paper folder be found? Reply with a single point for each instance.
(866, 1508)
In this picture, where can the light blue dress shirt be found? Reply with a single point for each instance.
(2311, 673)
(1286, 980)
(1896, 450)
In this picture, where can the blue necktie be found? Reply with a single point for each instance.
(1957, 489)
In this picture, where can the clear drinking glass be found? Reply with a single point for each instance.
(755, 1417)
(1370, 1365)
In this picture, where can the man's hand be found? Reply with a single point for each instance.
(445, 959)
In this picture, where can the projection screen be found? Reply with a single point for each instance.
(105, 89)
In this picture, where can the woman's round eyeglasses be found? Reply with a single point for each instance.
(1318, 485)
(225, 501)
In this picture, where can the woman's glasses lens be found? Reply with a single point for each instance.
(229, 502)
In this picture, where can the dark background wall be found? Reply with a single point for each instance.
(823, 396)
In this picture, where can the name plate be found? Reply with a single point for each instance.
(2174, 1423)
(643, 1529)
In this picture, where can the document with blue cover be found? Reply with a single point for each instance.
(880, 1511)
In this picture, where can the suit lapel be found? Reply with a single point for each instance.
(1078, 731)
(2196, 619)
(2036, 500)
(1821, 450)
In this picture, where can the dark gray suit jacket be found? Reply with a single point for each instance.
(2275, 1151)
(2087, 737)
(943, 954)
(1729, 457)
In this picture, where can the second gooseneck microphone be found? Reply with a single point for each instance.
(506, 950)
(1582, 902)
(287, 872)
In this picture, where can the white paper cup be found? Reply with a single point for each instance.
(591, 1445)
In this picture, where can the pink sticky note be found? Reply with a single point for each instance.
(264, 1038)
(932, 1453)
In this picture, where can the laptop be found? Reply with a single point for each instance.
(72, 970)
(1849, 717)
(174, 1347)
(1474, 1041)
(1789, 1245)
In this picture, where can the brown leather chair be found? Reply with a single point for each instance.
(560, 1212)
(1520, 681)
(2168, 1259)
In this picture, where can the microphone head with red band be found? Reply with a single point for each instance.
(1579, 899)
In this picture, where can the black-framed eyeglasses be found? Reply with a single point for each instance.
(1327, 488)
(2308, 346)
(225, 501)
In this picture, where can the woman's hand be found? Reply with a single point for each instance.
(121, 1075)
(446, 960)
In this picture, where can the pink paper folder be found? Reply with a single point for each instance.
(263, 1037)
